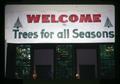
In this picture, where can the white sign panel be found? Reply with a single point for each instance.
(60, 24)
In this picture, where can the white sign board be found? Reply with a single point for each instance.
(60, 24)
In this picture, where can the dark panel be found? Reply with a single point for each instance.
(43, 56)
(44, 60)
(87, 56)
(87, 72)
(44, 72)
(11, 62)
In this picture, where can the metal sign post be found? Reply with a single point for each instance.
(5, 58)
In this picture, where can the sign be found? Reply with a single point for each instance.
(60, 24)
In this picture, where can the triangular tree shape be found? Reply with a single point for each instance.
(108, 23)
(17, 23)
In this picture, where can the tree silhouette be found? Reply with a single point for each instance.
(108, 23)
(17, 23)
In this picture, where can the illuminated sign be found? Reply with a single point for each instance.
(60, 24)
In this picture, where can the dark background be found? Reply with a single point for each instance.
(117, 28)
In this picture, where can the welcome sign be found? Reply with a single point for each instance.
(60, 24)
